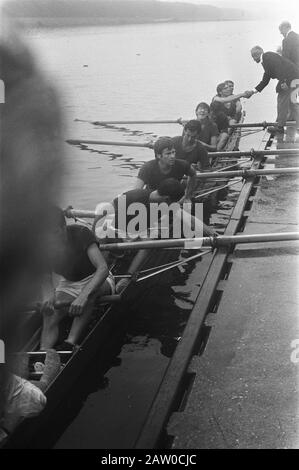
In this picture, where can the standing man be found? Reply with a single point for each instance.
(290, 42)
(285, 72)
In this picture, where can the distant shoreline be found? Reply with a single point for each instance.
(77, 22)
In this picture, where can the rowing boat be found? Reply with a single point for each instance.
(149, 271)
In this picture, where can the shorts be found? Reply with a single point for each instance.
(75, 288)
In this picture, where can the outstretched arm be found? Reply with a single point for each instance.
(263, 83)
(230, 98)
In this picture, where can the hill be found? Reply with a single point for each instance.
(87, 12)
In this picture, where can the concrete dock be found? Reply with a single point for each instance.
(245, 392)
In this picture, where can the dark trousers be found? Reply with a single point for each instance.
(285, 105)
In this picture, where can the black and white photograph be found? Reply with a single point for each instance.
(149, 235)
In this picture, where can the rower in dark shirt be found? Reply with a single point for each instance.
(164, 166)
(209, 133)
(224, 110)
(75, 256)
(188, 148)
(169, 191)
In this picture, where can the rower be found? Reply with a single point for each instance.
(209, 133)
(169, 191)
(165, 165)
(189, 148)
(228, 90)
(224, 110)
(75, 256)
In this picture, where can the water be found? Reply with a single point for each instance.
(156, 71)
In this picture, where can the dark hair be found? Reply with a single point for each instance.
(220, 88)
(193, 126)
(56, 217)
(228, 81)
(204, 106)
(172, 188)
(161, 144)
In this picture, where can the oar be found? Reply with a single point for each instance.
(76, 213)
(110, 142)
(260, 124)
(263, 124)
(153, 121)
(249, 153)
(254, 153)
(188, 243)
(247, 173)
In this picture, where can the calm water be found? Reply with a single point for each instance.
(139, 72)
(156, 71)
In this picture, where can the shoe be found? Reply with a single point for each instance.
(275, 129)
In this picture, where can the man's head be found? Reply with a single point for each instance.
(202, 111)
(229, 84)
(256, 53)
(169, 190)
(220, 87)
(284, 28)
(164, 150)
(191, 133)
